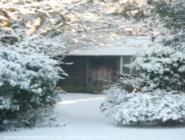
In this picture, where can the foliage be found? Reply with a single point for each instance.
(153, 108)
(131, 83)
(35, 25)
(163, 68)
(163, 65)
(132, 10)
(27, 83)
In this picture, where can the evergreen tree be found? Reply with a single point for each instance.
(164, 65)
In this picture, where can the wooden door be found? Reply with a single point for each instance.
(102, 72)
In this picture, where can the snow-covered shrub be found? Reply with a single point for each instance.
(154, 108)
(27, 83)
(131, 83)
(163, 68)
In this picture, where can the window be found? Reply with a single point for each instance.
(125, 65)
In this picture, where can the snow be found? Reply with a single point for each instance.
(83, 121)
(119, 47)
(105, 51)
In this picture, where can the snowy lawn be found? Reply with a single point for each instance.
(83, 121)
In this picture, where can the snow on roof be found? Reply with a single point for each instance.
(119, 47)
(104, 51)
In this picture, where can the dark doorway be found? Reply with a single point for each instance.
(89, 73)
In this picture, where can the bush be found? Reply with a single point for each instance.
(27, 84)
(131, 83)
(155, 108)
(162, 68)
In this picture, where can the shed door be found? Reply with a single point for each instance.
(102, 72)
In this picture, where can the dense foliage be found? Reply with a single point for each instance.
(152, 108)
(163, 65)
(162, 68)
(31, 35)
(27, 84)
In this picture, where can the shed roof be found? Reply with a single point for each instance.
(120, 47)
(105, 51)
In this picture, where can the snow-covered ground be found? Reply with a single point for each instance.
(83, 121)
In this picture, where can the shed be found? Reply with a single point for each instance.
(94, 68)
